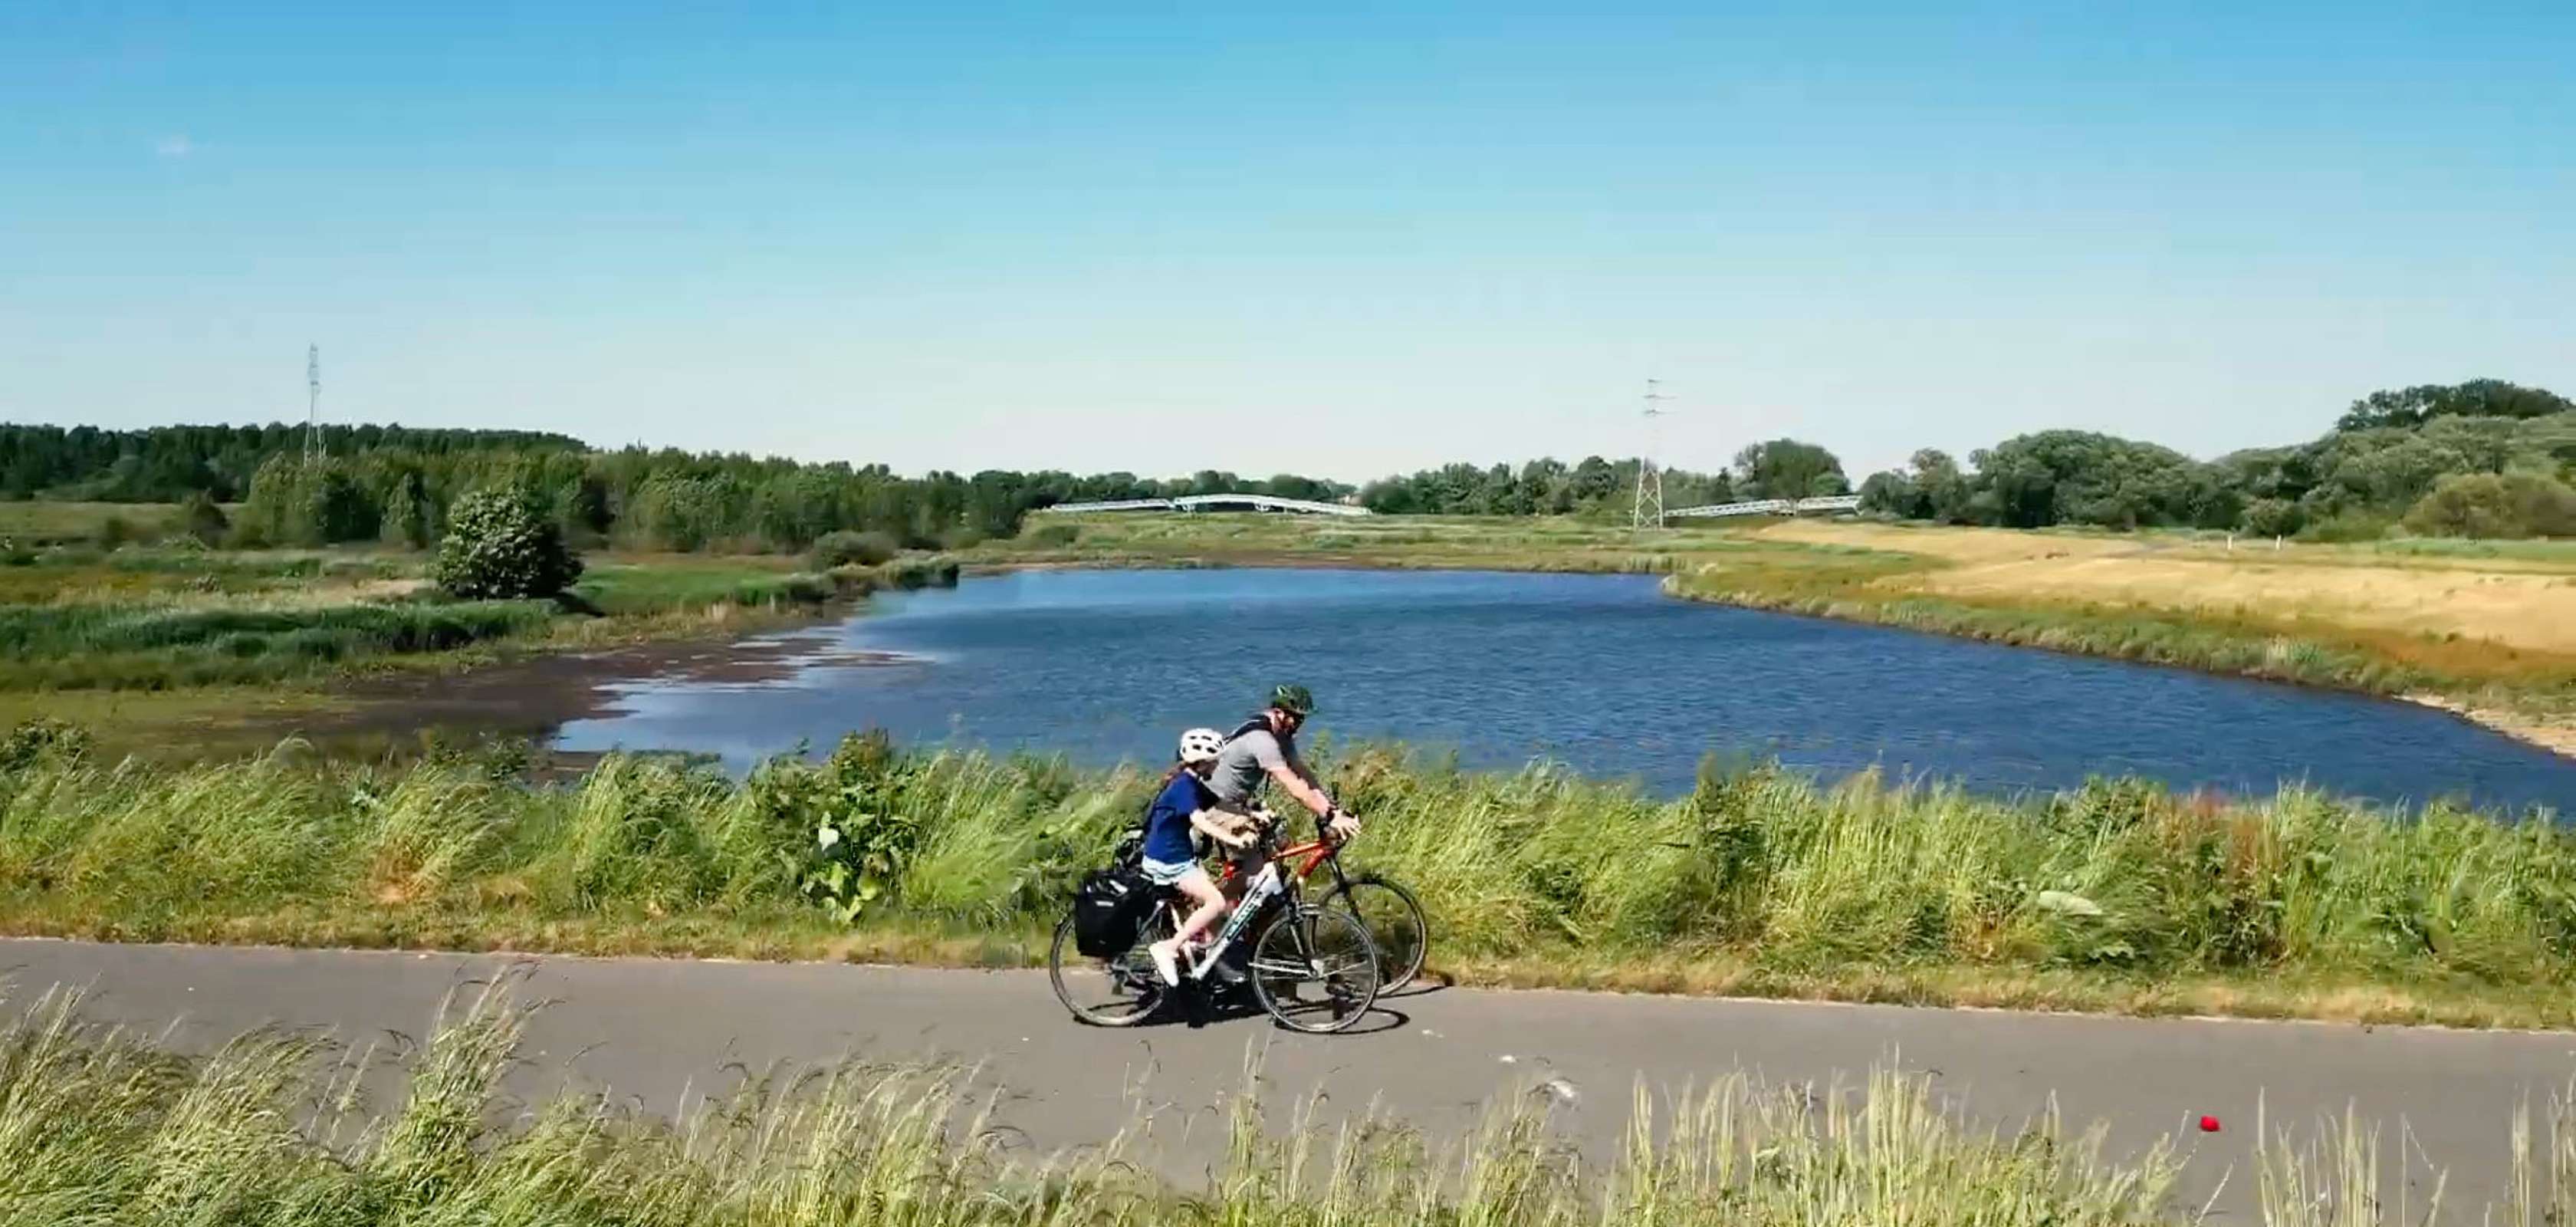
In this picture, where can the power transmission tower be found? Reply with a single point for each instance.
(312, 403)
(1649, 509)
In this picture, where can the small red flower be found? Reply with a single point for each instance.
(2209, 1124)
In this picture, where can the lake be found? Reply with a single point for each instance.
(1603, 673)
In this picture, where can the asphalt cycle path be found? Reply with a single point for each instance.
(656, 1031)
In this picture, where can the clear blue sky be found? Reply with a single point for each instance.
(1340, 240)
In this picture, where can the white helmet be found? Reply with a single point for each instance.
(1201, 745)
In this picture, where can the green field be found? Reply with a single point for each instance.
(39, 523)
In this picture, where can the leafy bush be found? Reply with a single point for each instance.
(201, 520)
(2492, 505)
(934, 571)
(2272, 517)
(845, 549)
(500, 544)
(43, 739)
(848, 816)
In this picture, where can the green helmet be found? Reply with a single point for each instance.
(1293, 699)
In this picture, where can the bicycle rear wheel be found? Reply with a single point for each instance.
(1395, 926)
(1314, 969)
(1119, 991)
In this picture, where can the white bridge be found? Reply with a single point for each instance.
(1203, 502)
(1269, 502)
(1771, 507)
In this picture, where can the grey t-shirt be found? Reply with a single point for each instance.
(1245, 762)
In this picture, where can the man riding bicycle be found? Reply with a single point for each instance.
(1263, 750)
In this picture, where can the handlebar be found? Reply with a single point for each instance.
(1269, 837)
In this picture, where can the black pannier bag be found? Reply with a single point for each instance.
(1109, 910)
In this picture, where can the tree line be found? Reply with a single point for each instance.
(168, 463)
(2479, 458)
(1780, 468)
(673, 500)
(2483, 458)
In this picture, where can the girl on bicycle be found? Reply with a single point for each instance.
(1171, 856)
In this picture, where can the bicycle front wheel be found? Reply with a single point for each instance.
(1314, 969)
(1395, 926)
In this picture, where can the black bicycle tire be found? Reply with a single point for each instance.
(1261, 988)
(1390, 979)
(1064, 945)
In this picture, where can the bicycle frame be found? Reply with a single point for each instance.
(1296, 863)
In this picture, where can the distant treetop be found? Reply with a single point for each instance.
(2478, 398)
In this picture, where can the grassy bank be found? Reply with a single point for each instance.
(2115, 897)
(97, 1127)
(2483, 628)
(165, 647)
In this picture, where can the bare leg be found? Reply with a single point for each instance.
(1200, 890)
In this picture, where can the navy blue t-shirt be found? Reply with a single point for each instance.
(1167, 824)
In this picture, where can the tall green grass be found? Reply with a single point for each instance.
(100, 1128)
(123, 645)
(1795, 886)
(672, 584)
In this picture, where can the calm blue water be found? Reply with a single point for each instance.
(1603, 673)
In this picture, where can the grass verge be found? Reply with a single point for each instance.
(2118, 896)
(99, 1127)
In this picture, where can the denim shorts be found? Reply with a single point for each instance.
(1167, 873)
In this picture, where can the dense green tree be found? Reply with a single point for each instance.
(2081, 477)
(1788, 468)
(2272, 517)
(2496, 505)
(308, 503)
(502, 543)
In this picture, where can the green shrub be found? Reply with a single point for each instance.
(2509, 505)
(1054, 536)
(848, 815)
(920, 571)
(500, 544)
(201, 518)
(2272, 517)
(41, 740)
(844, 548)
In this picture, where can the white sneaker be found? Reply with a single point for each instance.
(1167, 963)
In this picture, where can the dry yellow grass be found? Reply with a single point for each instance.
(2516, 603)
